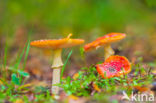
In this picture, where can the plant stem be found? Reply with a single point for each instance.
(56, 66)
(108, 51)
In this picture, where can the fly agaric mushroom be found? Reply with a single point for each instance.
(106, 42)
(57, 46)
(114, 66)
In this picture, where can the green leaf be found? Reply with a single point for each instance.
(68, 80)
(15, 79)
(22, 73)
(2, 88)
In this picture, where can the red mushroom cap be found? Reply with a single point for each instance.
(107, 39)
(114, 66)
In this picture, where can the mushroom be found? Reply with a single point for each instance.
(114, 66)
(106, 42)
(57, 46)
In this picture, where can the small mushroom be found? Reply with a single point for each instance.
(114, 66)
(57, 46)
(106, 42)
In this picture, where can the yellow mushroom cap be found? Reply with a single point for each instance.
(57, 44)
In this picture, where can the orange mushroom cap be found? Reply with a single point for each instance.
(114, 66)
(107, 39)
(56, 44)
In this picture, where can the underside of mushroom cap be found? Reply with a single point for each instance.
(56, 44)
(107, 39)
(114, 66)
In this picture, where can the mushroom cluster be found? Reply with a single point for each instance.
(112, 66)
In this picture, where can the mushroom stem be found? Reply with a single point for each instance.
(57, 65)
(108, 51)
(55, 80)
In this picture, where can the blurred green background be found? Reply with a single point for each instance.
(24, 20)
(87, 19)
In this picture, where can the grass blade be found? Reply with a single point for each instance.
(26, 53)
(20, 58)
(63, 68)
(5, 60)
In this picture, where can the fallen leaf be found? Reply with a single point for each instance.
(73, 97)
(19, 101)
(75, 76)
(141, 89)
(1, 82)
(96, 87)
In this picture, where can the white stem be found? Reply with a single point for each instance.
(57, 65)
(108, 51)
(56, 80)
(57, 61)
